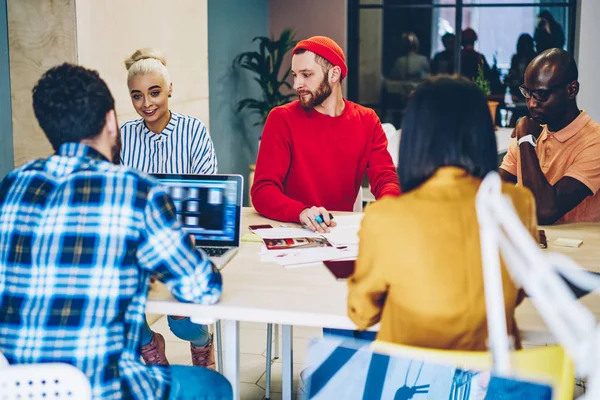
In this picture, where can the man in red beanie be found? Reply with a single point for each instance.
(315, 151)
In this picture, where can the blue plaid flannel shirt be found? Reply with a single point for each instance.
(79, 239)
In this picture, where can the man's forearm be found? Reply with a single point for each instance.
(507, 176)
(546, 199)
(269, 201)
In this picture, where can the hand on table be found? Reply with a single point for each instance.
(308, 217)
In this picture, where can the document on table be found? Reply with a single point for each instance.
(343, 239)
(286, 233)
(298, 257)
(345, 233)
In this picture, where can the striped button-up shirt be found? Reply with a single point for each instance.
(183, 147)
(79, 239)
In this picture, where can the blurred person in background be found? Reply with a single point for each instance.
(471, 59)
(410, 66)
(516, 75)
(443, 62)
(548, 33)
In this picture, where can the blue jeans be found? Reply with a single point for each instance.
(197, 383)
(363, 335)
(184, 329)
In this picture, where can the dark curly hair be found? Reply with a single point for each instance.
(70, 103)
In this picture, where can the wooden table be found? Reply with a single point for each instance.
(254, 291)
(531, 325)
(503, 139)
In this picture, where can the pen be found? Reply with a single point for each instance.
(319, 218)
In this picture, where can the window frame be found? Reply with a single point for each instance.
(353, 28)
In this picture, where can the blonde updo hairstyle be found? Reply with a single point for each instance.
(145, 61)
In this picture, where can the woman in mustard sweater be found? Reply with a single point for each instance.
(419, 268)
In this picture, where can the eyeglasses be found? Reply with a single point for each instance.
(540, 95)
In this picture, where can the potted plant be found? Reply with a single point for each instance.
(266, 63)
(484, 84)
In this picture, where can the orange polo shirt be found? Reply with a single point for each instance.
(573, 151)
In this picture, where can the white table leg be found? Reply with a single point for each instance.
(219, 334)
(231, 346)
(276, 338)
(287, 360)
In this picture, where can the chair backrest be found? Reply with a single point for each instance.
(545, 363)
(359, 370)
(358, 203)
(393, 138)
(44, 381)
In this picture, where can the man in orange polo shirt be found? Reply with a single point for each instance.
(556, 153)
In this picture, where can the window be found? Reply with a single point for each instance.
(393, 43)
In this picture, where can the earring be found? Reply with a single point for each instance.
(169, 95)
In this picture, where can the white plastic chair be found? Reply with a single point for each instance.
(393, 137)
(43, 381)
(541, 275)
(358, 203)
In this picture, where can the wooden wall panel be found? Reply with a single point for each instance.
(42, 33)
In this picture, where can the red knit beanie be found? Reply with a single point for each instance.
(326, 48)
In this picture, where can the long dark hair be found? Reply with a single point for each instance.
(526, 46)
(447, 123)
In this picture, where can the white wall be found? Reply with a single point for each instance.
(108, 31)
(588, 56)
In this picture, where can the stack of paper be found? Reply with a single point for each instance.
(303, 257)
(293, 247)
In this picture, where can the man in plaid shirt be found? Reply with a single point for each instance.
(79, 239)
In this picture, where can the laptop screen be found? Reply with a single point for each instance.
(207, 206)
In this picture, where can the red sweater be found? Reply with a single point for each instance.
(310, 159)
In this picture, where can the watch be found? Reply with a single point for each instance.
(527, 139)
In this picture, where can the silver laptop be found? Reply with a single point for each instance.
(210, 208)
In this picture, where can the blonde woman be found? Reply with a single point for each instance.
(162, 141)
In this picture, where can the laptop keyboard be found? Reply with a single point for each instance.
(215, 251)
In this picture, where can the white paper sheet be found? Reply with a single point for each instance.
(307, 256)
(285, 233)
(346, 231)
(343, 237)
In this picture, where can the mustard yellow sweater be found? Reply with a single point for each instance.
(419, 268)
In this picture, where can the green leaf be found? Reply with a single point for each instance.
(266, 64)
(481, 81)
